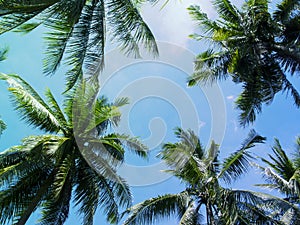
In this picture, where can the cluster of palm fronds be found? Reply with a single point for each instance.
(205, 201)
(78, 156)
(49, 170)
(252, 47)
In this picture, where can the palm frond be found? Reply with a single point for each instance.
(78, 46)
(19, 200)
(53, 104)
(280, 162)
(191, 215)
(77, 31)
(31, 106)
(132, 144)
(180, 158)
(3, 53)
(227, 10)
(276, 182)
(282, 174)
(202, 19)
(56, 206)
(35, 200)
(256, 207)
(157, 208)
(252, 47)
(2, 126)
(26, 182)
(12, 21)
(284, 9)
(105, 165)
(250, 104)
(238, 162)
(119, 102)
(86, 193)
(94, 60)
(289, 88)
(60, 18)
(209, 67)
(128, 27)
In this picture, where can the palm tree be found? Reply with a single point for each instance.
(283, 173)
(78, 30)
(253, 47)
(202, 173)
(76, 159)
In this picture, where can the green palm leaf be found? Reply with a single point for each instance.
(31, 106)
(77, 31)
(238, 162)
(282, 173)
(159, 207)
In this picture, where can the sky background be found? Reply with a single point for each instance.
(160, 101)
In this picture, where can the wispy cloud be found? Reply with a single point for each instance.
(172, 23)
(230, 97)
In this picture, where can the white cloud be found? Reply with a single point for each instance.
(173, 23)
(230, 97)
(202, 124)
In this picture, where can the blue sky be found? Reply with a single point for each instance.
(160, 101)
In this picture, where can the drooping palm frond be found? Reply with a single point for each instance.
(30, 105)
(285, 8)
(280, 162)
(128, 27)
(92, 191)
(248, 207)
(282, 172)
(57, 204)
(3, 53)
(132, 143)
(77, 31)
(156, 208)
(2, 126)
(209, 67)
(227, 10)
(238, 162)
(202, 19)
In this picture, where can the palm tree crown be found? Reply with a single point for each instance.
(283, 173)
(201, 171)
(48, 171)
(254, 48)
(78, 30)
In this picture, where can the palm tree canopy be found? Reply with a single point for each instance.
(48, 171)
(283, 173)
(253, 47)
(78, 30)
(202, 172)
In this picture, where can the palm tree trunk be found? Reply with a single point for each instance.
(35, 201)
